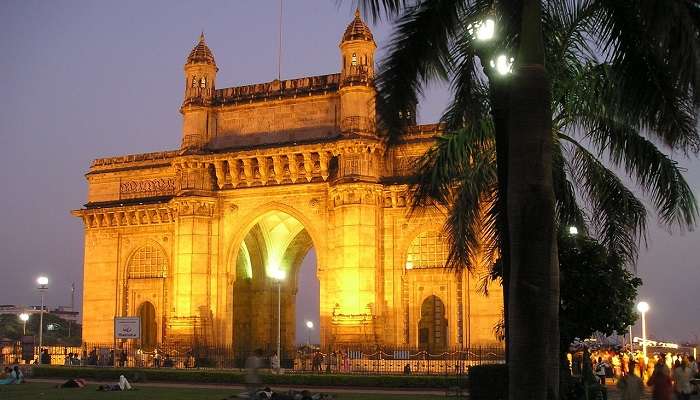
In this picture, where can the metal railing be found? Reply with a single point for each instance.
(361, 360)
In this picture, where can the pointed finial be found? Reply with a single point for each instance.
(201, 36)
(357, 12)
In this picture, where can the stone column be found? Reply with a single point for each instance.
(195, 246)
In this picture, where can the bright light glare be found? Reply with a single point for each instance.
(24, 317)
(278, 274)
(482, 30)
(309, 324)
(573, 230)
(642, 306)
(42, 280)
(503, 65)
(486, 29)
(409, 264)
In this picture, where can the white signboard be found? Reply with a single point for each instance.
(127, 328)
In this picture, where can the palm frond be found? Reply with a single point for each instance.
(568, 211)
(656, 173)
(619, 217)
(419, 52)
(654, 66)
(459, 172)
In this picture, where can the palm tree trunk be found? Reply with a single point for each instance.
(499, 112)
(534, 281)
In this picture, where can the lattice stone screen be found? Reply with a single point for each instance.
(428, 250)
(148, 262)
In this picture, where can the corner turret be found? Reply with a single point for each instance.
(200, 83)
(357, 91)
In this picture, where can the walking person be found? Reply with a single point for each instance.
(601, 370)
(252, 377)
(275, 363)
(660, 381)
(630, 385)
(682, 375)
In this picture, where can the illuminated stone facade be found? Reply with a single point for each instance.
(190, 239)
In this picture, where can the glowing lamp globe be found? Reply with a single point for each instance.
(642, 306)
(43, 282)
(482, 30)
(573, 230)
(503, 64)
(309, 324)
(24, 317)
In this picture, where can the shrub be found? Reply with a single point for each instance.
(488, 382)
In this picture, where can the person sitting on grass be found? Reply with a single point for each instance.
(7, 378)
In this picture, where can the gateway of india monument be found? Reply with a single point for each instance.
(195, 241)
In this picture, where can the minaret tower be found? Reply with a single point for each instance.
(357, 92)
(200, 79)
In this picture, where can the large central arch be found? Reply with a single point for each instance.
(275, 240)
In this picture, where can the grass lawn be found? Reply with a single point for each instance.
(47, 391)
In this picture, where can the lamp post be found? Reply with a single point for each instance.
(24, 317)
(643, 307)
(309, 327)
(43, 284)
(279, 276)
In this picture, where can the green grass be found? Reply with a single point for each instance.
(237, 377)
(47, 391)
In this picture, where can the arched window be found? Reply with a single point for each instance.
(354, 59)
(147, 262)
(428, 250)
(203, 82)
(194, 81)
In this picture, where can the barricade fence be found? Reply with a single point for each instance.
(367, 360)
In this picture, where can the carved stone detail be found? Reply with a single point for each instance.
(147, 188)
(116, 217)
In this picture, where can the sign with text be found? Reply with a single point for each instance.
(127, 327)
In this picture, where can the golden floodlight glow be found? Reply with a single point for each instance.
(278, 274)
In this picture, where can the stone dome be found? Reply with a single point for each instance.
(357, 30)
(201, 54)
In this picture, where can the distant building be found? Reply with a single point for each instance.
(60, 311)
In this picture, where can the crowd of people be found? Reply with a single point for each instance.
(667, 374)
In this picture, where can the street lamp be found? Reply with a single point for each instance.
(643, 307)
(24, 317)
(43, 285)
(503, 64)
(483, 30)
(573, 231)
(309, 326)
(279, 275)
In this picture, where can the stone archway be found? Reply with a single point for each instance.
(277, 241)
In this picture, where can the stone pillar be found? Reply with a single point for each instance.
(196, 241)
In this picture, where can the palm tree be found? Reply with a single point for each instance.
(624, 72)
